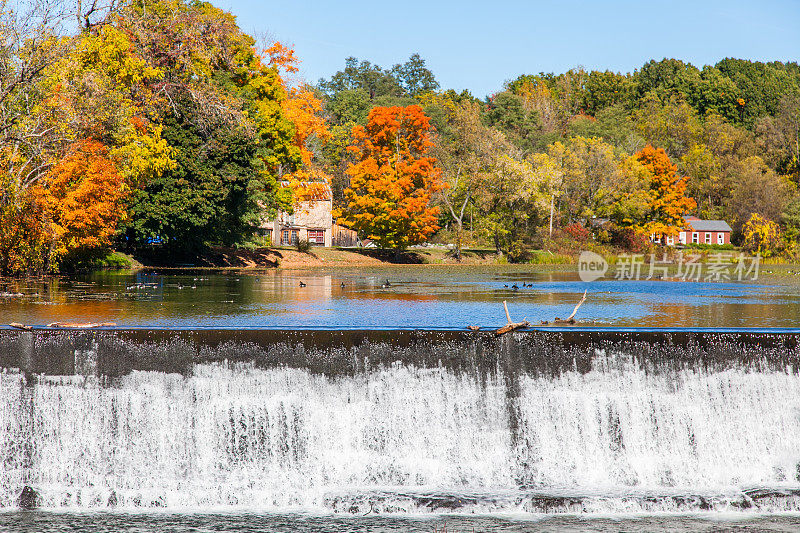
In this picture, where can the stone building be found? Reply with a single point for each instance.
(311, 221)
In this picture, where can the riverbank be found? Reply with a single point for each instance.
(236, 258)
(218, 257)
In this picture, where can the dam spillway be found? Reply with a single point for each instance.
(403, 421)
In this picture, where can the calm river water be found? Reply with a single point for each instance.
(414, 297)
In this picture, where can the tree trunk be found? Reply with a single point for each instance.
(459, 234)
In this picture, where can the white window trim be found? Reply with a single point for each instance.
(708, 237)
(695, 238)
(720, 238)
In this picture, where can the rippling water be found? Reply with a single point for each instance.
(104, 522)
(416, 297)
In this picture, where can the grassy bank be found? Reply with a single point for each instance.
(290, 257)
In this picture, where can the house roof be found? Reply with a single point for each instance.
(708, 225)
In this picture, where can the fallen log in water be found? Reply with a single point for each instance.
(510, 326)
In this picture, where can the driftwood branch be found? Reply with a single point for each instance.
(571, 318)
(510, 326)
(583, 299)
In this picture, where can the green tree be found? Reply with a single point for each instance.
(757, 189)
(414, 77)
(671, 125)
(507, 113)
(363, 75)
(215, 194)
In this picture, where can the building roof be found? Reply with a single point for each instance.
(708, 225)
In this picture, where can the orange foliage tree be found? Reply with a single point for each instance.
(668, 200)
(84, 193)
(27, 239)
(391, 184)
(309, 182)
(303, 109)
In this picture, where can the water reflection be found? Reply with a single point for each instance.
(414, 297)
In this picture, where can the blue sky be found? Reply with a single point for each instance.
(480, 45)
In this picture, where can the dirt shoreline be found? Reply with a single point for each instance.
(289, 258)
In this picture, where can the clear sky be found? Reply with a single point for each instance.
(480, 45)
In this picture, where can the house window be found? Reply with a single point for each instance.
(708, 237)
(720, 238)
(289, 237)
(670, 241)
(316, 236)
(695, 237)
(682, 237)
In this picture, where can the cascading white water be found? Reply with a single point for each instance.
(615, 438)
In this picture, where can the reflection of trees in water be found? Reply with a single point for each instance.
(446, 297)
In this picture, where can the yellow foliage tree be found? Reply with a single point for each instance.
(761, 236)
(304, 109)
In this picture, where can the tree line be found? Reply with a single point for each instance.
(161, 124)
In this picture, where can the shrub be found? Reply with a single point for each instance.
(303, 246)
(709, 247)
(519, 252)
(629, 240)
(577, 232)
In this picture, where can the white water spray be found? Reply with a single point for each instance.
(406, 439)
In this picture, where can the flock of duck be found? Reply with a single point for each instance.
(516, 287)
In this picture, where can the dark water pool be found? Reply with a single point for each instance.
(414, 297)
(19, 522)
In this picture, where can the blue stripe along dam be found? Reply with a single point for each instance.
(403, 421)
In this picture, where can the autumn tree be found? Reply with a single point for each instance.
(84, 195)
(590, 170)
(757, 189)
(220, 101)
(668, 202)
(391, 185)
(464, 148)
(513, 197)
(761, 236)
(302, 107)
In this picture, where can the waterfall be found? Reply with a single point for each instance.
(617, 434)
